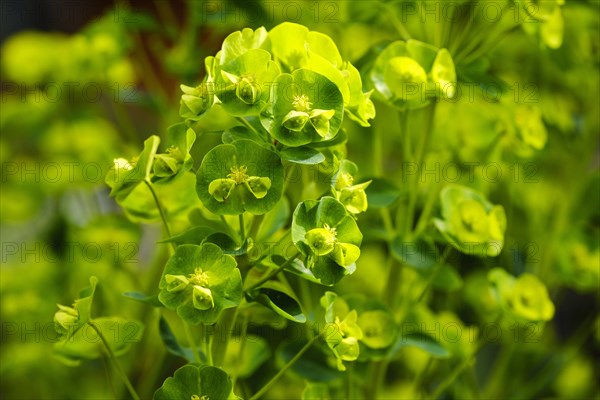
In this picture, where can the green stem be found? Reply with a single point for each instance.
(193, 345)
(242, 228)
(401, 216)
(225, 324)
(161, 211)
(420, 156)
(255, 226)
(427, 210)
(228, 227)
(112, 357)
(238, 359)
(272, 274)
(439, 390)
(404, 34)
(421, 374)
(282, 371)
(495, 381)
(247, 124)
(434, 274)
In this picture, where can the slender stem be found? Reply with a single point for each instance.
(118, 368)
(404, 34)
(451, 378)
(494, 381)
(419, 157)
(247, 124)
(439, 390)
(230, 230)
(225, 324)
(401, 215)
(255, 226)
(427, 210)
(206, 345)
(434, 274)
(193, 345)
(273, 273)
(242, 228)
(287, 366)
(421, 374)
(238, 359)
(161, 211)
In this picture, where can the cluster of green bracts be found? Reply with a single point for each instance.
(290, 90)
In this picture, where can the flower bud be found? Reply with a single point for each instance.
(321, 240)
(295, 120)
(176, 283)
(202, 298)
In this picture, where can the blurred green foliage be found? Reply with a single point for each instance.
(517, 133)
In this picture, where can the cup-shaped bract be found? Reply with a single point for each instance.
(294, 47)
(197, 383)
(352, 196)
(177, 159)
(125, 175)
(199, 282)
(527, 133)
(307, 107)
(525, 297)
(243, 84)
(342, 331)
(241, 176)
(408, 73)
(328, 236)
(470, 222)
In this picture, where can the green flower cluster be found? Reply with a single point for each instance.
(523, 298)
(470, 222)
(293, 78)
(407, 74)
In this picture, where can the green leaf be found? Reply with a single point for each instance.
(246, 354)
(177, 197)
(241, 159)
(68, 320)
(226, 243)
(297, 267)
(447, 279)
(316, 391)
(125, 175)
(192, 381)
(420, 254)
(274, 220)
(151, 300)
(302, 155)
(382, 193)
(423, 342)
(339, 139)
(280, 299)
(83, 305)
(286, 43)
(240, 132)
(177, 159)
(312, 365)
(172, 345)
(205, 268)
(86, 344)
(194, 235)
(239, 42)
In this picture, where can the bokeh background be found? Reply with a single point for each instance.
(84, 82)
